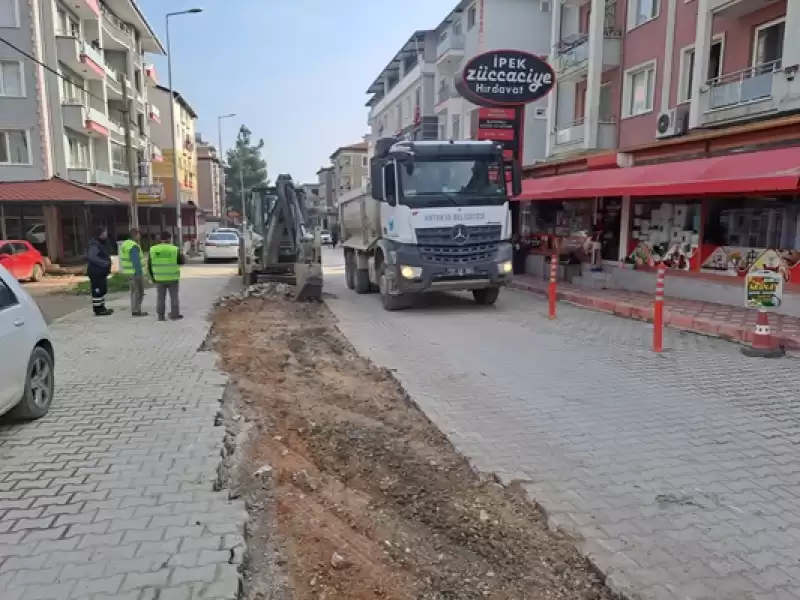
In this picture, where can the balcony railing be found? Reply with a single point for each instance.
(451, 42)
(445, 93)
(93, 54)
(568, 135)
(116, 21)
(753, 84)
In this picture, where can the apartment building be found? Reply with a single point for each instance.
(350, 169)
(675, 140)
(164, 138)
(325, 186)
(68, 121)
(415, 95)
(209, 179)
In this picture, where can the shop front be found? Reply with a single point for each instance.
(709, 221)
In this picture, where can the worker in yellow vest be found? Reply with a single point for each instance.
(131, 261)
(165, 270)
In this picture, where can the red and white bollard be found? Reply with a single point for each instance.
(551, 289)
(765, 345)
(658, 310)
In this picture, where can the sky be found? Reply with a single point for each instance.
(293, 71)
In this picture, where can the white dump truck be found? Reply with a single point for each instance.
(436, 217)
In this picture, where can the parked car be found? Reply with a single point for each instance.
(22, 260)
(325, 237)
(27, 374)
(221, 245)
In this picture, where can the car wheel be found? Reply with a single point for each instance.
(37, 273)
(39, 387)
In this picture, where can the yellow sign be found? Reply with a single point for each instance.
(150, 194)
(763, 290)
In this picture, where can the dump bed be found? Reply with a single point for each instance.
(359, 219)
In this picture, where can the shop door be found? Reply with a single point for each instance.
(610, 223)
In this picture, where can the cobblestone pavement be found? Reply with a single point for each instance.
(110, 495)
(681, 471)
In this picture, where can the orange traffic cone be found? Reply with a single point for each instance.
(765, 345)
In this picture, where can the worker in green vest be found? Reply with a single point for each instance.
(130, 260)
(165, 271)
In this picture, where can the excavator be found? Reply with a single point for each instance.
(277, 243)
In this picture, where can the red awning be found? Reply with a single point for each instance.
(765, 172)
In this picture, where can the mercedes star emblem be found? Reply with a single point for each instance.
(460, 234)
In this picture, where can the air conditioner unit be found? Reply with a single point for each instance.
(673, 122)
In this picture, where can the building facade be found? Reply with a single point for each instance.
(674, 140)
(350, 169)
(209, 179)
(415, 95)
(68, 121)
(183, 136)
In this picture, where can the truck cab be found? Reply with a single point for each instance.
(436, 218)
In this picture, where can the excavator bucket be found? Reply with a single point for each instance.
(308, 286)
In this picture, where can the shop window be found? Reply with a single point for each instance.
(739, 232)
(571, 221)
(667, 232)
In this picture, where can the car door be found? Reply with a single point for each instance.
(7, 258)
(23, 260)
(14, 350)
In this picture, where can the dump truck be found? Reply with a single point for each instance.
(277, 244)
(435, 217)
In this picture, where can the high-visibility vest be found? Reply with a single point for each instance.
(125, 262)
(164, 263)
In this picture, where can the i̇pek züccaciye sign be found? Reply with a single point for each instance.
(505, 78)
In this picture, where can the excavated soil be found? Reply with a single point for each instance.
(352, 492)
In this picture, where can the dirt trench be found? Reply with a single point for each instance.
(352, 492)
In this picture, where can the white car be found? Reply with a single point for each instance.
(27, 374)
(221, 245)
(325, 237)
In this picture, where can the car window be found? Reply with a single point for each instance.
(19, 247)
(7, 297)
(6, 249)
(224, 237)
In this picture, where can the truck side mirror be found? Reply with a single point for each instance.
(516, 178)
(376, 178)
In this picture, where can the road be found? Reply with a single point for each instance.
(112, 494)
(681, 471)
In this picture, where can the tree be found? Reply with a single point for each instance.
(245, 158)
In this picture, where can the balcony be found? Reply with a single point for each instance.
(114, 84)
(572, 55)
(85, 9)
(154, 114)
(80, 57)
(445, 93)
(120, 35)
(741, 94)
(85, 120)
(735, 9)
(450, 52)
(79, 173)
(116, 128)
(150, 78)
(571, 137)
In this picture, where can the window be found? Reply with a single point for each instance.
(118, 161)
(456, 127)
(641, 11)
(364, 163)
(11, 79)
(67, 25)
(639, 90)
(457, 26)
(78, 154)
(7, 297)
(14, 147)
(9, 13)
(687, 69)
(606, 114)
(768, 44)
(443, 127)
(472, 17)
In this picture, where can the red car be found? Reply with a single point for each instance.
(21, 259)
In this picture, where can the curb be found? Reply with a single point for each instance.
(675, 320)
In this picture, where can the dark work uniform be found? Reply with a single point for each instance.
(98, 268)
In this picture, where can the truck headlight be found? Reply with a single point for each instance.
(506, 267)
(410, 272)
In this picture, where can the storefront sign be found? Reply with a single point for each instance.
(502, 125)
(763, 290)
(150, 194)
(505, 78)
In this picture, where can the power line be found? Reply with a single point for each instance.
(61, 76)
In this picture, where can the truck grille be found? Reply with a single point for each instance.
(437, 246)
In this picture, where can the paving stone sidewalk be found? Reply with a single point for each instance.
(681, 471)
(111, 495)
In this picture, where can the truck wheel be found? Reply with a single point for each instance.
(486, 296)
(389, 301)
(362, 285)
(349, 270)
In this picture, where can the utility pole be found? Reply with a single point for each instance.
(130, 154)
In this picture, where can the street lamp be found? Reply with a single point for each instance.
(222, 194)
(175, 182)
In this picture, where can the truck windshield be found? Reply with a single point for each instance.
(468, 182)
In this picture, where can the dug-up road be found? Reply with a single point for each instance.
(353, 493)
